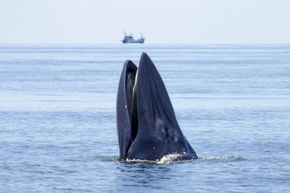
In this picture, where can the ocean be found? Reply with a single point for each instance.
(58, 118)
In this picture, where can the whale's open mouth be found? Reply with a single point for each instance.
(146, 123)
(131, 80)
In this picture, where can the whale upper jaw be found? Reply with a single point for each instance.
(146, 122)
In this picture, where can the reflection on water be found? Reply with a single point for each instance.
(148, 175)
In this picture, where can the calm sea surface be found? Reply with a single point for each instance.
(58, 130)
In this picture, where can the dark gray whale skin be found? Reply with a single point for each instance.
(146, 123)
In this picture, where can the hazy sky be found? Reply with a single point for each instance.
(161, 21)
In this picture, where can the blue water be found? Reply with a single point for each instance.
(58, 131)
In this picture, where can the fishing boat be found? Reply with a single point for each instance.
(129, 39)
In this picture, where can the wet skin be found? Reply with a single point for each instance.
(146, 123)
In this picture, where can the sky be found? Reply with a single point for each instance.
(161, 21)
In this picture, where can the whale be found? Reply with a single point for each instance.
(147, 127)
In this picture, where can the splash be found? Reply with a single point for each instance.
(167, 159)
(173, 158)
(170, 158)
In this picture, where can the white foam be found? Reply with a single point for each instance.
(225, 158)
(170, 158)
(167, 159)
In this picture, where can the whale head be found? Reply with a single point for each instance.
(146, 122)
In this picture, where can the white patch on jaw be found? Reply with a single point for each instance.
(126, 106)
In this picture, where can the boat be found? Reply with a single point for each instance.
(129, 39)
